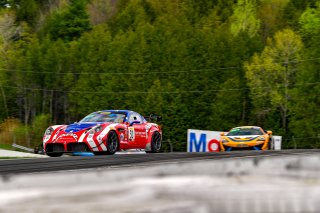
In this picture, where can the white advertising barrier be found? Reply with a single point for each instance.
(203, 141)
(277, 142)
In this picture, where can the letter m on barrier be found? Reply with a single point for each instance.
(201, 144)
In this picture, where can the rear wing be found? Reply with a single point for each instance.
(153, 118)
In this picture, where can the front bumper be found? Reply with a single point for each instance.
(67, 147)
(252, 145)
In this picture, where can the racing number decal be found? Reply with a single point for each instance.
(131, 133)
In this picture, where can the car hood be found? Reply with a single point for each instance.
(76, 127)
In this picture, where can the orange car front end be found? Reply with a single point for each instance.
(245, 138)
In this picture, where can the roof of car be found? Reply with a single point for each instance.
(246, 127)
(112, 110)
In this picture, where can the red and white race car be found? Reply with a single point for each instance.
(104, 132)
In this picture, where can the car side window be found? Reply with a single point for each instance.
(135, 117)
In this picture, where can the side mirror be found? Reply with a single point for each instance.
(222, 133)
(269, 132)
(134, 122)
(159, 118)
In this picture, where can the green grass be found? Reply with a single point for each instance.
(6, 146)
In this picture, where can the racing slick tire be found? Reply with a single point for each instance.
(112, 144)
(271, 144)
(156, 142)
(54, 154)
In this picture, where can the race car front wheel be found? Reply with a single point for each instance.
(271, 144)
(112, 143)
(54, 154)
(156, 143)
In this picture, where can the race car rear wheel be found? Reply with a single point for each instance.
(156, 143)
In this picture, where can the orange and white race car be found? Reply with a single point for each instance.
(246, 137)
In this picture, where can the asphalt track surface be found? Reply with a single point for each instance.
(19, 166)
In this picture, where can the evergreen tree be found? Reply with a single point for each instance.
(69, 22)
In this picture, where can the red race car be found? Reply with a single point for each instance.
(104, 132)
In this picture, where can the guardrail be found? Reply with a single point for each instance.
(23, 148)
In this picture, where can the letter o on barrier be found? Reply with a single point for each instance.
(213, 146)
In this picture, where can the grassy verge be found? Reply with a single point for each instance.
(6, 146)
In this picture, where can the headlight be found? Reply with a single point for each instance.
(95, 130)
(49, 131)
(224, 141)
(98, 129)
(261, 139)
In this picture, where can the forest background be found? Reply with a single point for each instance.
(201, 64)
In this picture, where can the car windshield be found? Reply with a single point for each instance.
(244, 131)
(104, 116)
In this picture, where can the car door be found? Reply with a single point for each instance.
(137, 131)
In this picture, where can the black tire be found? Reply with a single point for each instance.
(112, 144)
(100, 153)
(156, 143)
(55, 154)
(271, 144)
